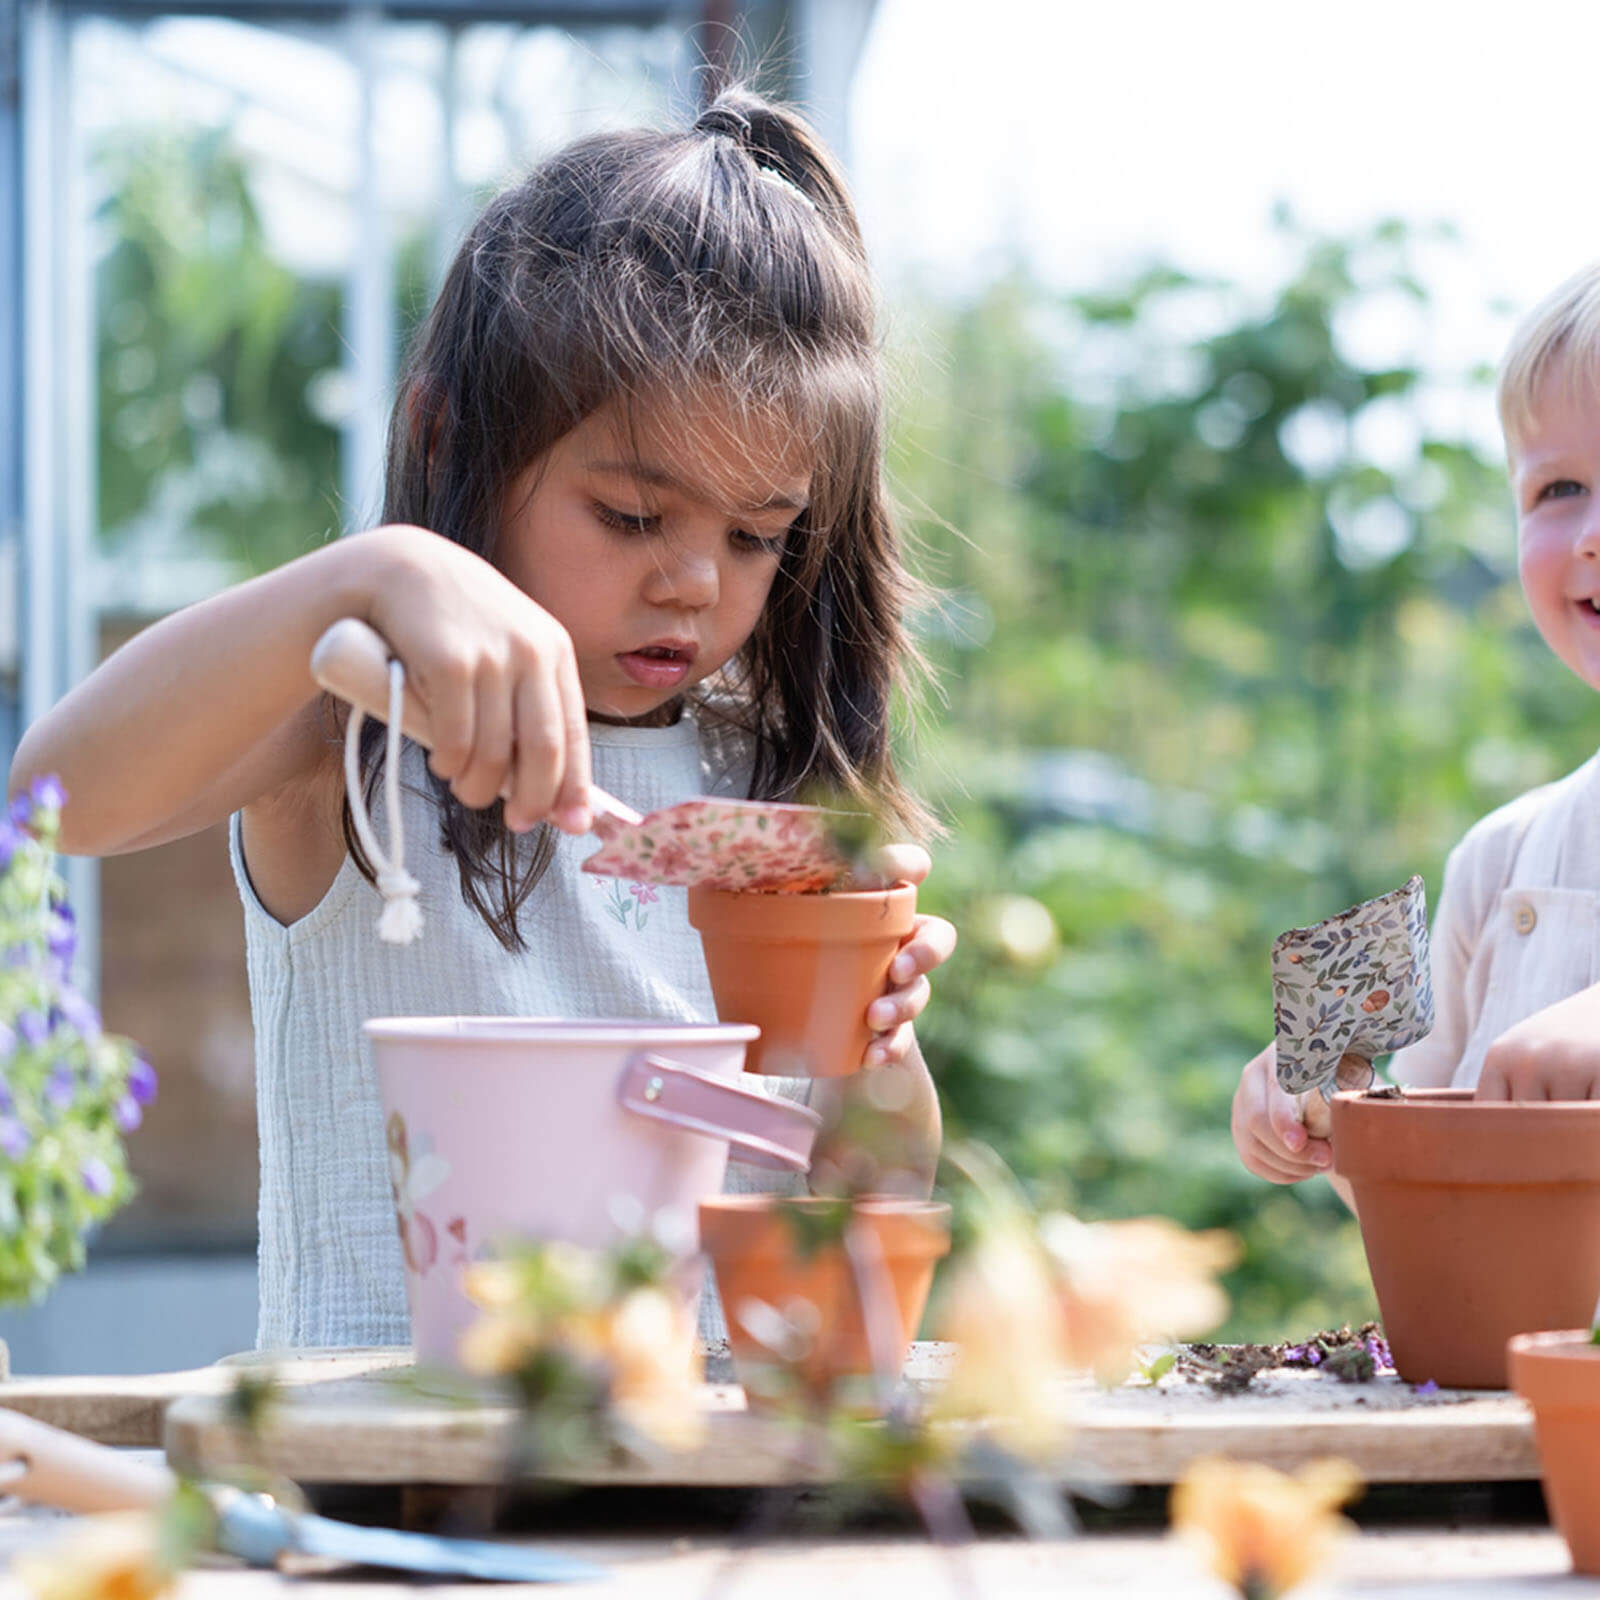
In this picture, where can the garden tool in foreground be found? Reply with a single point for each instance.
(49, 1467)
(1351, 988)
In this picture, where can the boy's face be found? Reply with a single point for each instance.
(655, 545)
(1555, 476)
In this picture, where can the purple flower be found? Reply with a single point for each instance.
(96, 1177)
(14, 1139)
(21, 810)
(63, 935)
(10, 839)
(34, 1028)
(77, 1010)
(126, 1114)
(8, 1041)
(142, 1081)
(62, 1089)
(47, 793)
(7, 1099)
(1428, 1386)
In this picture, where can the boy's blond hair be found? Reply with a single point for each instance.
(1563, 328)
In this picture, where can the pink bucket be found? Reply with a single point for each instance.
(513, 1128)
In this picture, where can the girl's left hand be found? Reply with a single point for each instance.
(930, 945)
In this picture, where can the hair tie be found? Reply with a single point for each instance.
(401, 919)
(728, 121)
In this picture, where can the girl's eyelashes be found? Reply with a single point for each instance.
(622, 521)
(648, 522)
(756, 544)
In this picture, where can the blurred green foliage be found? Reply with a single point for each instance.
(1226, 642)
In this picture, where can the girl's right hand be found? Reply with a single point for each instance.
(496, 673)
(1280, 1136)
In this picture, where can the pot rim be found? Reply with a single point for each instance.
(1556, 1370)
(478, 1031)
(881, 1205)
(1459, 1100)
(899, 889)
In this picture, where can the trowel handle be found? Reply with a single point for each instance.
(352, 661)
(60, 1469)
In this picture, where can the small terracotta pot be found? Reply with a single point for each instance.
(757, 1256)
(1558, 1374)
(803, 968)
(1481, 1219)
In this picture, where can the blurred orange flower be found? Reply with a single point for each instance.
(1262, 1531)
(112, 1557)
(1123, 1284)
(1000, 1308)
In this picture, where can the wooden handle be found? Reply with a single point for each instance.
(62, 1470)
(352, 661)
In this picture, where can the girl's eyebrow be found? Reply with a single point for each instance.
(655, 477)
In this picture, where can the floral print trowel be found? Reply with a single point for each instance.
(1356, 984)
(716, 843)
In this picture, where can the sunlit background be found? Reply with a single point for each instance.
(1191, 312)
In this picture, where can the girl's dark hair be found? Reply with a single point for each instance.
(650, 268)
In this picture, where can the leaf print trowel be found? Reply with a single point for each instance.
(1357, 984)
(716, 843)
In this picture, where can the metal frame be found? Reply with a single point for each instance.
(47, 392)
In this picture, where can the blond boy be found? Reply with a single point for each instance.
(1516, 936)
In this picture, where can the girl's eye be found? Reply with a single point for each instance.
(1559, 489)
(622, 521)
(757, 545)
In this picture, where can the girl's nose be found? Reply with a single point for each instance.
(684, 578)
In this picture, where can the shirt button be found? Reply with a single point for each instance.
(1524, 918)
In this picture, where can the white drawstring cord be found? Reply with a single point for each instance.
(401, 919)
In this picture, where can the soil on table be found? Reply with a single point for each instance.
(1350, 1355)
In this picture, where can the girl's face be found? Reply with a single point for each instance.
(654, 540)
(1555, 475)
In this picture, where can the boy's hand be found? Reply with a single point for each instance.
(1280, 1136)
(1552, 1055)
(931, 944)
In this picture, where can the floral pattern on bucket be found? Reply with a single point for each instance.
(1355, 984)
(723, 844)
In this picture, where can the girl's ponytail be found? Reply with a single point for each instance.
(785, 145)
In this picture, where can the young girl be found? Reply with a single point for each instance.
(1516, 936)
(635, 526)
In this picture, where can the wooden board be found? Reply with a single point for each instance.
(378, 1428)
(130, 1410)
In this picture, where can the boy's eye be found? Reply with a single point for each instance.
(1558, 489)
(623, 521)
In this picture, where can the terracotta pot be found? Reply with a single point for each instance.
(803, 968)
(1558, 1374)
(757, 1256)
(1481, 1219)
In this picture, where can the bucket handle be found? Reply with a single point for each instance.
(762, 1130)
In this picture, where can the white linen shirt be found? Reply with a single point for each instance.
(1517, 926)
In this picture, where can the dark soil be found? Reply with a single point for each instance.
(1352, 1355)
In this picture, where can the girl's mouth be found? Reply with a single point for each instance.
(656, 666)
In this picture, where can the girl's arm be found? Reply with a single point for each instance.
(214, 708)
